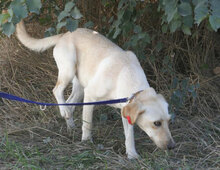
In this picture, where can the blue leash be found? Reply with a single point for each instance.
(16, 98)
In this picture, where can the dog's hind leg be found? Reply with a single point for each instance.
(75, 97)
(76, 94)
(65, 57)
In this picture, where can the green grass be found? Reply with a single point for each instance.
(20, 151)
(37, 144)
(14, 155)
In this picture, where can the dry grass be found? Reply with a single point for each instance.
(40, 136)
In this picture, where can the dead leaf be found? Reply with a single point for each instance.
(216, 70)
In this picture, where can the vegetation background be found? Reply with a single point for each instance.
(177, 43)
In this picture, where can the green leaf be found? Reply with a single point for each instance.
(4, 18)
(201, 11)
(49, 32)
(10, 12)
(194, 94)
(191, 88)
(8, 28)
(121, 3)
(117, 32)
(171, 15)
(186, 30)
(19, 8)
(103, 117)
(145, 36)
(164, 28)
(34, 5)
(134, 40)
(215, 7)
(170, 9)
(45, 20)
(164, 19)
(174, 83)
(116, 23)
(105, 2)
(185, 83)
(76, 13)
(187, 1)
(137, 29)
(127, 15)
(127, 44)
(60, 25)
(120, 14)
(111, 20)
(188, 20)
(214, 22)
(133, 3)
(15, 20)
(62, 15)
(178, 93)
(174, 25)
(159, 46)
(71, 24)
(195, 2)
(127, 27)
(185, 9)
(69, 6)
(89, 24)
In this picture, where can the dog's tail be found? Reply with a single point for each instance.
(32, 43)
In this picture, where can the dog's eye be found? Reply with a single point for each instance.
(157, 123)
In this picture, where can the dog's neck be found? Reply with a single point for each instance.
(133, 96)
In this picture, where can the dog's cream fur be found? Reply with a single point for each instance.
(100, 70)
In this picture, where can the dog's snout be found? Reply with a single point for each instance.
(171, 145)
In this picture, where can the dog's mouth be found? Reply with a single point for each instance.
(167, 145)
(164, 142)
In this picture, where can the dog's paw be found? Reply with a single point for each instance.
(70, 132)
(70, 123)
(86, 133)
(133, 155)
(87, 141)
(87, 138)
(65, 112)
(70, 129)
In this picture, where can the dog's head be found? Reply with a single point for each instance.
(150, 111)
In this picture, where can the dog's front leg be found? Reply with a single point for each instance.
(87, 120)
(129, 140)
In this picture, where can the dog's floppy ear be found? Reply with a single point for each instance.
(133, 111)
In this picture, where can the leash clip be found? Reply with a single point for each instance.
(43, 107)
(133, 96)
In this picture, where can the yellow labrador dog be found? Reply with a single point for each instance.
(100, 70)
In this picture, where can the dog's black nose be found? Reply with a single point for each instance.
(171, 145)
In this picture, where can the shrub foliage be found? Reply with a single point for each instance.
(175, 15)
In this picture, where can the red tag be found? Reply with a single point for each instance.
(129, 120)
